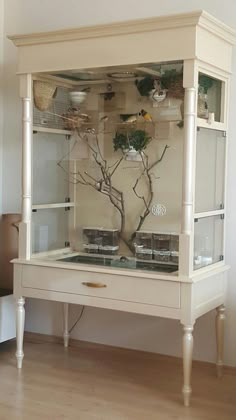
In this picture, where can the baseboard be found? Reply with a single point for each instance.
(31, 337)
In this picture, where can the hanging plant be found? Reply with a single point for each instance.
(145, 85)
(137, 140)
(205, 82)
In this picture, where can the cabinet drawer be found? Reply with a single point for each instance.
(125, 288)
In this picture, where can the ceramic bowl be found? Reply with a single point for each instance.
(77, 97)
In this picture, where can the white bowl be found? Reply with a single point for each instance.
(77, 97)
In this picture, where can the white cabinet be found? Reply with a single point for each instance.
(127, 202)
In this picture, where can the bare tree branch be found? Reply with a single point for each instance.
(147, 202)
(117, 165)
(104, 185)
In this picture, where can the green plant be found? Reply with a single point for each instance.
(137, 140)
(205, 82)
(145, 85)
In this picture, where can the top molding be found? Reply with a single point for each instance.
(198, 18)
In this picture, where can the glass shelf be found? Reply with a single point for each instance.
(39, 129)
(52, 206)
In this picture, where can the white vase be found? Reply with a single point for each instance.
(132, 154)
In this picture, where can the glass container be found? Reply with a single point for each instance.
(161, 247)
(174, 249)
(143, 245)
(100, 240)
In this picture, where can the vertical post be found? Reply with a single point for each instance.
(189, 158)
(20, 324)
(66, 334)
(186, 238)
(25, 225)
(190, 83)
(187, 362)
(220, 319)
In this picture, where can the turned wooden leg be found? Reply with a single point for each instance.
(20, 324)
(187, 362)
(220, 318)
(66, 334)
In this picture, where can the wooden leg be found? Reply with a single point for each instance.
(187, 362)
(66, 334)
(20, 325)
(220, 318)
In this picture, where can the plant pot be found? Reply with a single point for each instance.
(132, 154)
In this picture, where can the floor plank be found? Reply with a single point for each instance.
(89, 382)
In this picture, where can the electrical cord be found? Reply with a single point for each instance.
(79, 318)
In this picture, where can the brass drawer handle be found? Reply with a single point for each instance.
(91, 284)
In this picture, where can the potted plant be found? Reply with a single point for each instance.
(131, 143)
(145, 85)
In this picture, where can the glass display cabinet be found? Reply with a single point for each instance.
(123, 175)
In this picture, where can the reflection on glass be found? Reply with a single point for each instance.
(50, 229)
(208, 241)
(210, 170)
(209, 98)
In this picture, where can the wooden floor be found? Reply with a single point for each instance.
(90, 382)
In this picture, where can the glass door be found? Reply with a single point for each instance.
(209, 197)
(53, 191)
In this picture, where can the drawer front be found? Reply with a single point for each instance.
(132, 289)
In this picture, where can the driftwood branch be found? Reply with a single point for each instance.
(147, 201)
(104, 184)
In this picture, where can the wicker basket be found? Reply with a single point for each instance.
(43, 94)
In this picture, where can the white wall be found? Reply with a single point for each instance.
(1, 95)
(128, 330)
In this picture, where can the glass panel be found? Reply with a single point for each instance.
(209, 98)
(208, 241)
(128, 160)
(210, 170)
(50, 229)
(50, 181)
